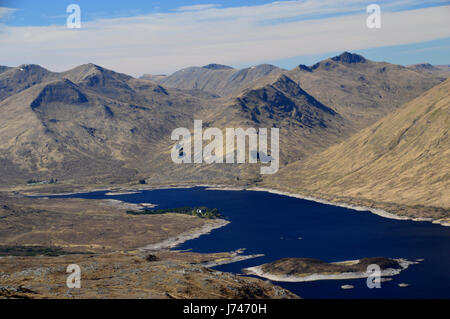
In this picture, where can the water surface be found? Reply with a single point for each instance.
(280, 226)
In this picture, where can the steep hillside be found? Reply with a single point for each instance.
(401, 159)
(306, 125)
(104, 125)
(15, 80)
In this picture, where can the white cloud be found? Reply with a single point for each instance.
(5, 12)
(197, 7)
(165, 42)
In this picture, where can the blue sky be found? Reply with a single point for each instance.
(47, 12)
(138, 36)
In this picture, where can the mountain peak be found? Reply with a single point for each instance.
(423, 66)
(304, 68)
(288, 86)
(265, 67)
(93, 74)
(214, 66)
(31, 68)
(284, 79)
(84, 69)
(92, 66)
(349, 58)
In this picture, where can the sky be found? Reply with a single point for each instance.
(160, 37)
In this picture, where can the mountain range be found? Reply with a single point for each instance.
(348, 126)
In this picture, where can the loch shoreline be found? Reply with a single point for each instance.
(179, 239)
(376, 211)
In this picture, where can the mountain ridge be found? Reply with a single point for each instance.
(215, 78)
(402, 158)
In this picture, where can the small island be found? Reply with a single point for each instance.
(202, 212)
(310, 269)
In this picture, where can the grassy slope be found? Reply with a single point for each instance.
(403, 158)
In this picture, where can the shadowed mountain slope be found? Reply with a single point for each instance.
(15, 80)
(305, 124)
(403, 158)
